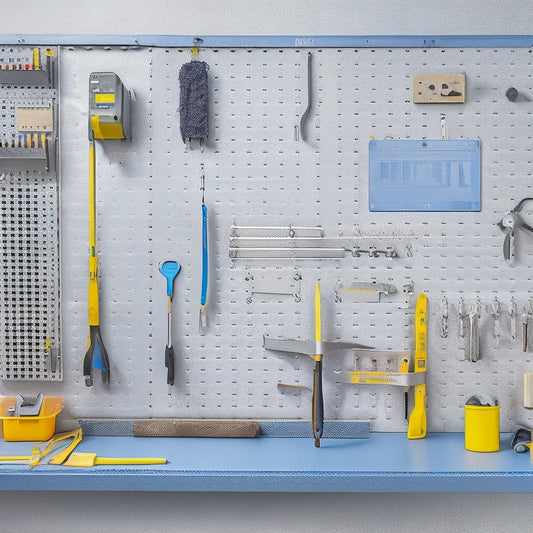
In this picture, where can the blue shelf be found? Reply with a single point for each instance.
(386, 462)
(275, 41)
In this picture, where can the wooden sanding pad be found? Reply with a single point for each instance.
(195, 428)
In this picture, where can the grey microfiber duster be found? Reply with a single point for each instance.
(193, 101)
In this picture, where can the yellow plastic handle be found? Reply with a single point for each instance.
(418, 420)
(318, 320)
(94, 302)
(106, 128)
(421, 334)
(94, 313)
(130, 461)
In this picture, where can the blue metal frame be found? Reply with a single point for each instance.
(277, 41)
(385, 462)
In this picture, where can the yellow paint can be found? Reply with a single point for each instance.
(482, 428)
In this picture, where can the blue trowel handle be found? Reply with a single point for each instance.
(170, 269)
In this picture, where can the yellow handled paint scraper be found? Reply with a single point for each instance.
(91, 459)
(417, 421)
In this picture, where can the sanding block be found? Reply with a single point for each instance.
(195, 428)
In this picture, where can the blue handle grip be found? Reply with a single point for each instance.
(205, 266)
(169, 269)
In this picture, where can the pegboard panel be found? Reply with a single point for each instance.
(258, 174)
(29, 206)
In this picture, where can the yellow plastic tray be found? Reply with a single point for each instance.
(25, 428)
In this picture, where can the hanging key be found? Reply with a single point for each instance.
(444, 322)
(474, 316)
(525, 324)
(495, 312)
(526, 316)
(513, 313)
(463, 318)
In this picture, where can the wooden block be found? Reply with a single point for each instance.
(35, 119)
(439, 88)
(528, 390)
(195, 428)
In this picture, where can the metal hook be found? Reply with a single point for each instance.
(202, 182)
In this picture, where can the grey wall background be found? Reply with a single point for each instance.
(260, 512)
(275, 17)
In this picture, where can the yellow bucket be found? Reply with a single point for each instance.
(482, 428)
(30, 428)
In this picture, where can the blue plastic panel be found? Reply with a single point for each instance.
(275, 41)
(424, 175)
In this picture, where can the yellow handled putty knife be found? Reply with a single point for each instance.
(417, 420)
(90, 459)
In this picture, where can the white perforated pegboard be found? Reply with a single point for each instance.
(148, 210)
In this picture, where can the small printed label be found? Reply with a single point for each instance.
(104, 98)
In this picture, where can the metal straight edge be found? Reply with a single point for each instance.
(255, 232)
(321, 243)
(286, 253)
(387, 288)
(275, 41)
(285, 242)
(333, 429)
(309, 348)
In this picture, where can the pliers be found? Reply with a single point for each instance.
(507, 224)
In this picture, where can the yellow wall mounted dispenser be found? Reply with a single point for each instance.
(109, 107)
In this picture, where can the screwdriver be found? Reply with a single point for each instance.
(169, 269)
(318, 400)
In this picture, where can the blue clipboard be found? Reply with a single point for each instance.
(420, 175)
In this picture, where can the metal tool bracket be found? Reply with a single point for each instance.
(278, 282)
(359, 377)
